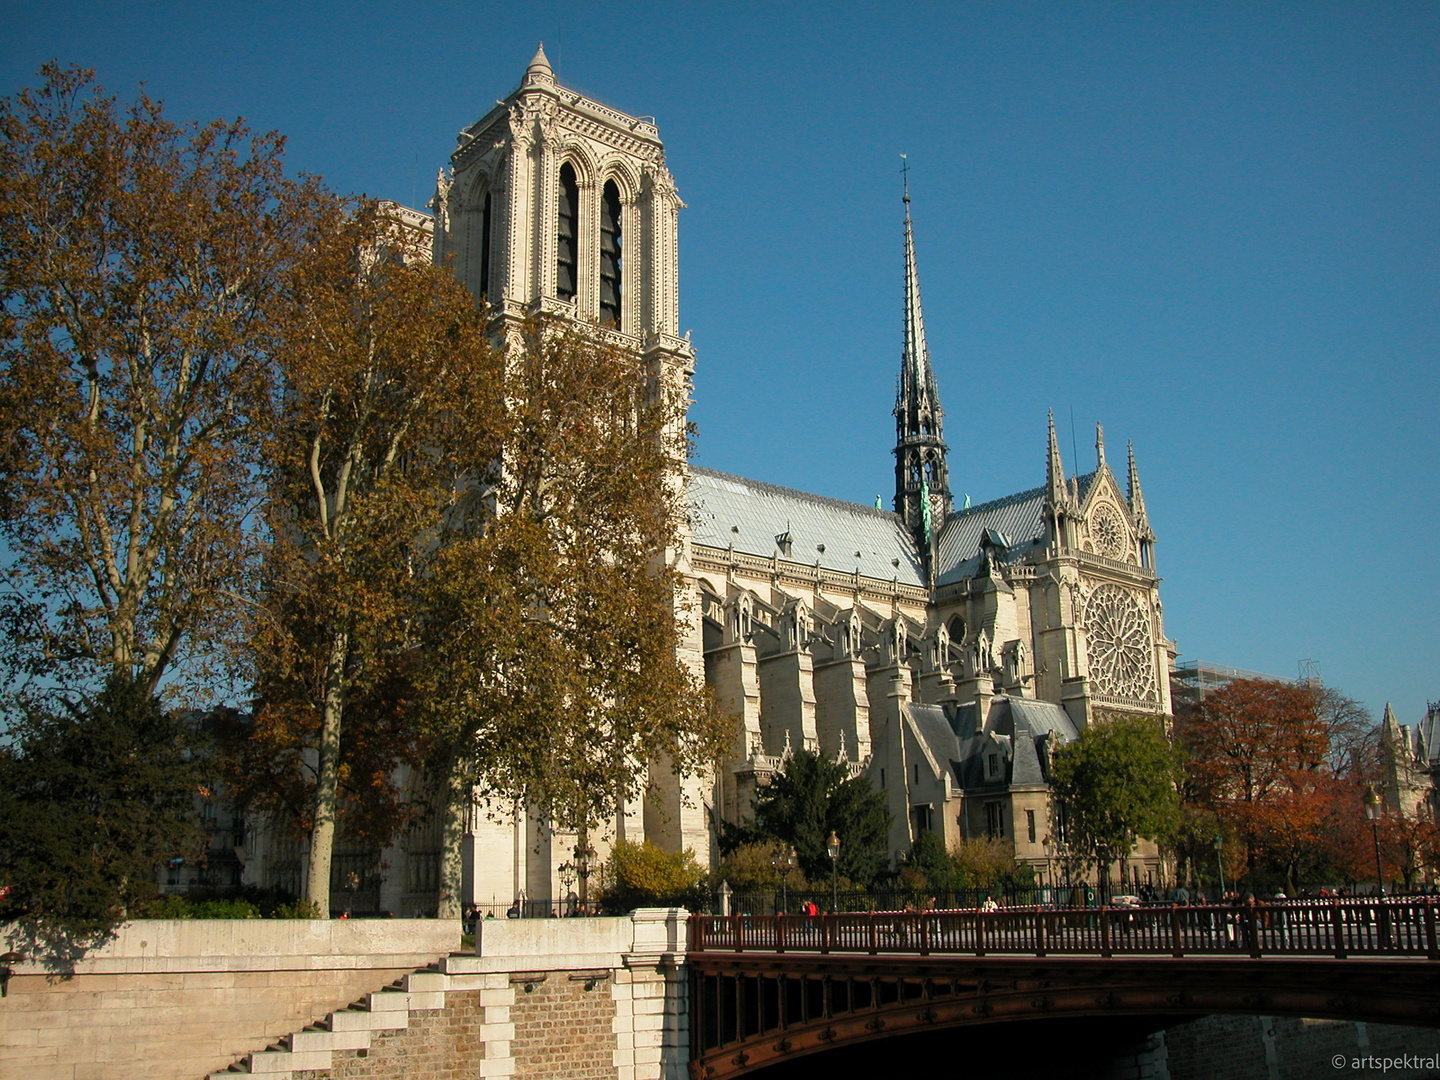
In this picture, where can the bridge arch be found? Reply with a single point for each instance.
(747, 1013)
(764, 991)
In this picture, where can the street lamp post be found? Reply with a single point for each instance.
(832, 847)
(1220, 862)
(783, 858)
(1372, 812)
(567, 878)
(583, 854)
(1049, 869)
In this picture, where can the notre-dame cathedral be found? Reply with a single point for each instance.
(942, 651)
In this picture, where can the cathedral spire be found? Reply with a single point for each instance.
(922, 482)
(1137, 500)
(917, 354)
(1054, 468)
(1058, 498)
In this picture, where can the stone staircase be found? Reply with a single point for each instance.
(354, 1027)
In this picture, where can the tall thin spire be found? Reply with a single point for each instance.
(922, 481)
(917, 353)
(1137, 500)
(1054, 468)
(1058, 500)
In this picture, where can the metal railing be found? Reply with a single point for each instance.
(792, 901)
(1336, 928)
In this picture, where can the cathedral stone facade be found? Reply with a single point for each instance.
(942, 652)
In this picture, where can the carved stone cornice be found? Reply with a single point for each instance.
(804, 575)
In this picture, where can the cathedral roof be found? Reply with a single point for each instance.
(1018, 725)
(1041, 717)
(1427, 733)
(933, 728)
(1018, 521)
(750, 516)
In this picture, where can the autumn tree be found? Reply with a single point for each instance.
(554, 680)
(984, 862)
(140, 266)
(1117, 783)
(645, 875)
(1268, 760)
(802, 805)
(390, 394)
(1353, 736)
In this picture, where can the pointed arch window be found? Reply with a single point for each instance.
(566, 232)
(956, 626)
(610, 254)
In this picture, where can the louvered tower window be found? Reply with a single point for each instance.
(567, 230)
(610, 254)
(485, 251)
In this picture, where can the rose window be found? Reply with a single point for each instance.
(1109, 533)
(1122, 659)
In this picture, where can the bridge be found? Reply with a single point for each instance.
(765, 989)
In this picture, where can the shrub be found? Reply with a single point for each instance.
(645, 875)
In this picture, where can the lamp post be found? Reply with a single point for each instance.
(583, 854)
(1372, 812)
(1220, 862)
(1049, 843)
(783, 858)
(832, 847)
(567, 878)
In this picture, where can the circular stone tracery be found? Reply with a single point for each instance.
(1122, 663)
(1108, 532)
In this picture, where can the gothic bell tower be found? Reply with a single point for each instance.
(557, 204)
(922, 480)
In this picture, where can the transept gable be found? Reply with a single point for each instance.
(1109, 528)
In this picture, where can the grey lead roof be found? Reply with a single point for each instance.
(1016, 517)
(934, 730)
(750, 515)
(1019, 518)
(1020, 725)
(1041, 717)
(730, 510)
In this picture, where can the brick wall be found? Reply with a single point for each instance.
(564, 1029)
(441, 1044)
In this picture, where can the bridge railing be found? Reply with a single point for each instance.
(1338, 928)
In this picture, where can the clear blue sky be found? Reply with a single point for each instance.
(1213, 227)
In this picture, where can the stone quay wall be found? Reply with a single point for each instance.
(178, 999)
(353, 999)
